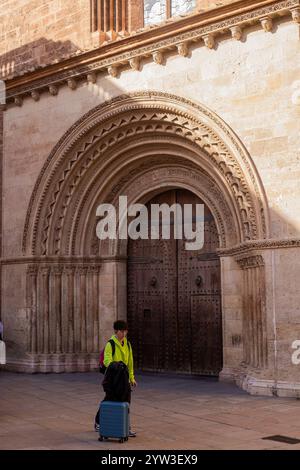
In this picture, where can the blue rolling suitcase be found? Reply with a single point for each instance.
(114, 420)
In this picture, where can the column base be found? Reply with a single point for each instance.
(270, 388)
(54, 363)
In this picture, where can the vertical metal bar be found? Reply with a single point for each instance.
(168, 9)
(105, 15)
(126, 16)
(111, 16)
(116, 16)
(92, 15)
(101, 21)
(123, 15)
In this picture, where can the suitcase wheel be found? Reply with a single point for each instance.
(121, 440)
(100, 438)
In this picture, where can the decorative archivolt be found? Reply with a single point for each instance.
(173, 173)
(111, 145)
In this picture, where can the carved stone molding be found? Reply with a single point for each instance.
(53, 90)
(91, 77)
(32, 270)
(135, 63)
(154, 177)
(115, 124)
(209, 41)
(18, 101)
(72, 84)
(158, 57)
(45, 270)
(69, 270)
(113, 71)
(252, 261)
(296, 15)
(93, 270)
(183, 49)
(236, 16)
(35, 95)
(236, 32)
(56, 270)
(62, 302)
(268, 244)
(267, 24)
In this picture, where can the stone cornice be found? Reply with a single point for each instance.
(253, 246)
(62, 260)
(243, 249)
(206, 27)
(249, 262)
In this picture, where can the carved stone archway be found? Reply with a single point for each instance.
(133, 145)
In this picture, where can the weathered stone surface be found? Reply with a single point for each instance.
(251, 85)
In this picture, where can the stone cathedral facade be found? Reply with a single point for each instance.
(165, 101)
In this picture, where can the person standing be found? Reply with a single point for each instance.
(122, 353)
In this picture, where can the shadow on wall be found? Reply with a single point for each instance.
(34, 55)
(124, 151)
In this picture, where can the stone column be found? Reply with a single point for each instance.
(44, 307)
(254, 311)
(82, 307)
(95, 316)
(90, 308)
(32, 273)
(55, 309)
(67, 306)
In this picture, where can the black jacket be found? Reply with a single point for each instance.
(116, 382)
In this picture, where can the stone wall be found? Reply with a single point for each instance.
(39, 32)
(35, 32)
(251, 85)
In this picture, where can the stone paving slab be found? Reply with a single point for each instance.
(56, 411)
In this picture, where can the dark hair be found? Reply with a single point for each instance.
(120, 325)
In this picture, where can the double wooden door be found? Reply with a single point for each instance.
(174, 299)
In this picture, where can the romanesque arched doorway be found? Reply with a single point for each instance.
(174, 298)
(138, 146)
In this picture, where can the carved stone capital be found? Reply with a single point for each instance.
(113, 71)
(209, 41)
(69, 270)
(158, 57)
(72, 84)
(183, 49)
(56, 270)
(296, 14)
(35, 95)
(45, 270)
(236, 32)
(248, 262)
(32, 270)
(53, 90)
(267, 24)
(135, 63)
(93, 269)
(82, 270)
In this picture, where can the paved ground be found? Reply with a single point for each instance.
(56, 412)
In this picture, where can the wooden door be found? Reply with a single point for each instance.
(174, 307)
